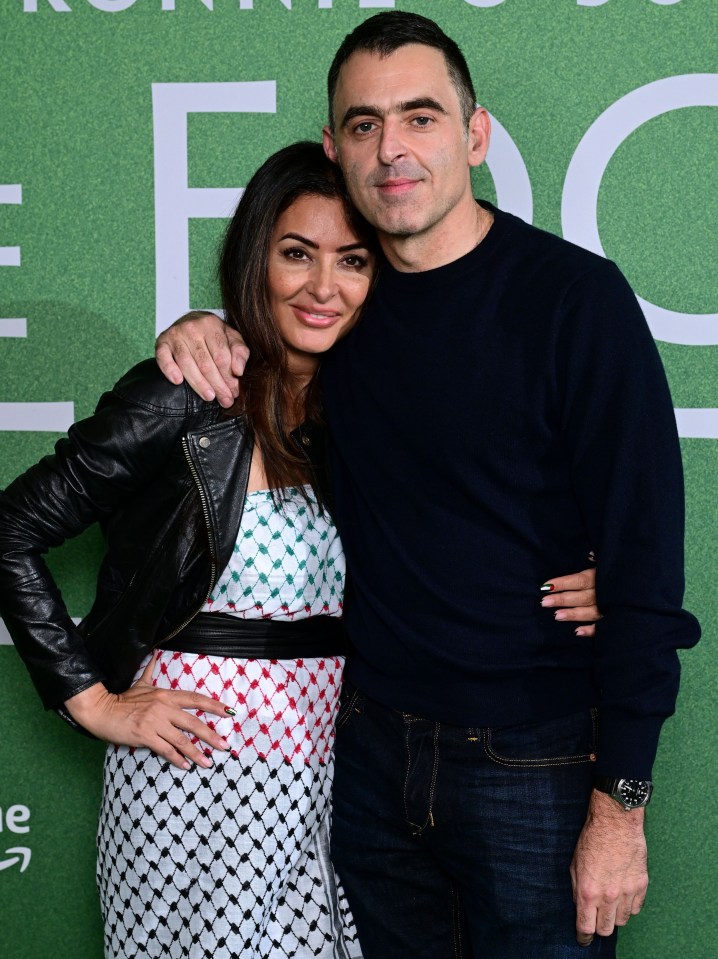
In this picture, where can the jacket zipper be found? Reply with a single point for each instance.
(213, 565)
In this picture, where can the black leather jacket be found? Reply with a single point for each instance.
(166, 474)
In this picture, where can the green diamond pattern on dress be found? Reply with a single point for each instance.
(286, 563)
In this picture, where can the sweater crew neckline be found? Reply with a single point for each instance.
(449, 273)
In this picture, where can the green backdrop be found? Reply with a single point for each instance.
(128, 127)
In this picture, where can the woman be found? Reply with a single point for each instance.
(219, 595)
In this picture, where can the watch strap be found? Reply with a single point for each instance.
(612, 787)
(605, 784)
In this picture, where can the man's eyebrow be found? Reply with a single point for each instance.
(315, 246)
(361, 110)
(421, 103)
(371, 110)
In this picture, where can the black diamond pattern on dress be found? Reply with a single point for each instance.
(220, 863)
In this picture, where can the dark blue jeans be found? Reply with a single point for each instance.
(454, 843)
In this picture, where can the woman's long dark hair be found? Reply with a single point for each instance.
(269, 395)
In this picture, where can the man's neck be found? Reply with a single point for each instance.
(455, 236)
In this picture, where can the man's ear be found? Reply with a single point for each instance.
(479, 136)
(330, 147)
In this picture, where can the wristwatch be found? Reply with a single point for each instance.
(630, 793)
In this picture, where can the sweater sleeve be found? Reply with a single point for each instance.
(620, 432)
(99, 465)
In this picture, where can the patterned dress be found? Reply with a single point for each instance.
(233, 861)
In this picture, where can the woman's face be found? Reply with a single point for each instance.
(318, 277)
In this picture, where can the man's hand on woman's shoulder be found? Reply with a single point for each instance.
(205, 352)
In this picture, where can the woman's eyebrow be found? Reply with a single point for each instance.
(300, 239)
(315, 246)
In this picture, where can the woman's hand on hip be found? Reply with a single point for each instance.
(147, 716)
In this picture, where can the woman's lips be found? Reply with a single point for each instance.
(320, 319)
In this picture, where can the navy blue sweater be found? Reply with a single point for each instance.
(493, 421)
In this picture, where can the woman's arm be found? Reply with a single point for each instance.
(147, 716)
(103, 461)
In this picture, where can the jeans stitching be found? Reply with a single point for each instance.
(546, 761)
(432, 786)
(344, 715)
(456, 921)
(434, 775)
(406, 783)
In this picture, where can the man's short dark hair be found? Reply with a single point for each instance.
(385, 33)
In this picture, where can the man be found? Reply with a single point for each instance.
(499, 411)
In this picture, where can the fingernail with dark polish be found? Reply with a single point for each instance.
(230, 711)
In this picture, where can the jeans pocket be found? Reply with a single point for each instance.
(556, 742)
(351, 702)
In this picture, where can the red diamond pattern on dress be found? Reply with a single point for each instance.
(286, 707)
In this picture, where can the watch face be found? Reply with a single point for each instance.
(633, 792)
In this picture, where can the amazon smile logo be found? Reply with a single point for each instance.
(14, 820)
(18, 854)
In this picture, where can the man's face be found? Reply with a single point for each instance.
(401, 142)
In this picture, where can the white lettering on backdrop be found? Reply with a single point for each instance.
(10, 256)
(117, 6)
(41, 417)
(14, 821)
(176, 203)
(509, 173)
(10, 193)
(588, 165)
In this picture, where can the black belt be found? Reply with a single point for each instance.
(219, 634)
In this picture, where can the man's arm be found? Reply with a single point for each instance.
(203, 350)
(211, 356)
(620, 433)
(609, 871)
